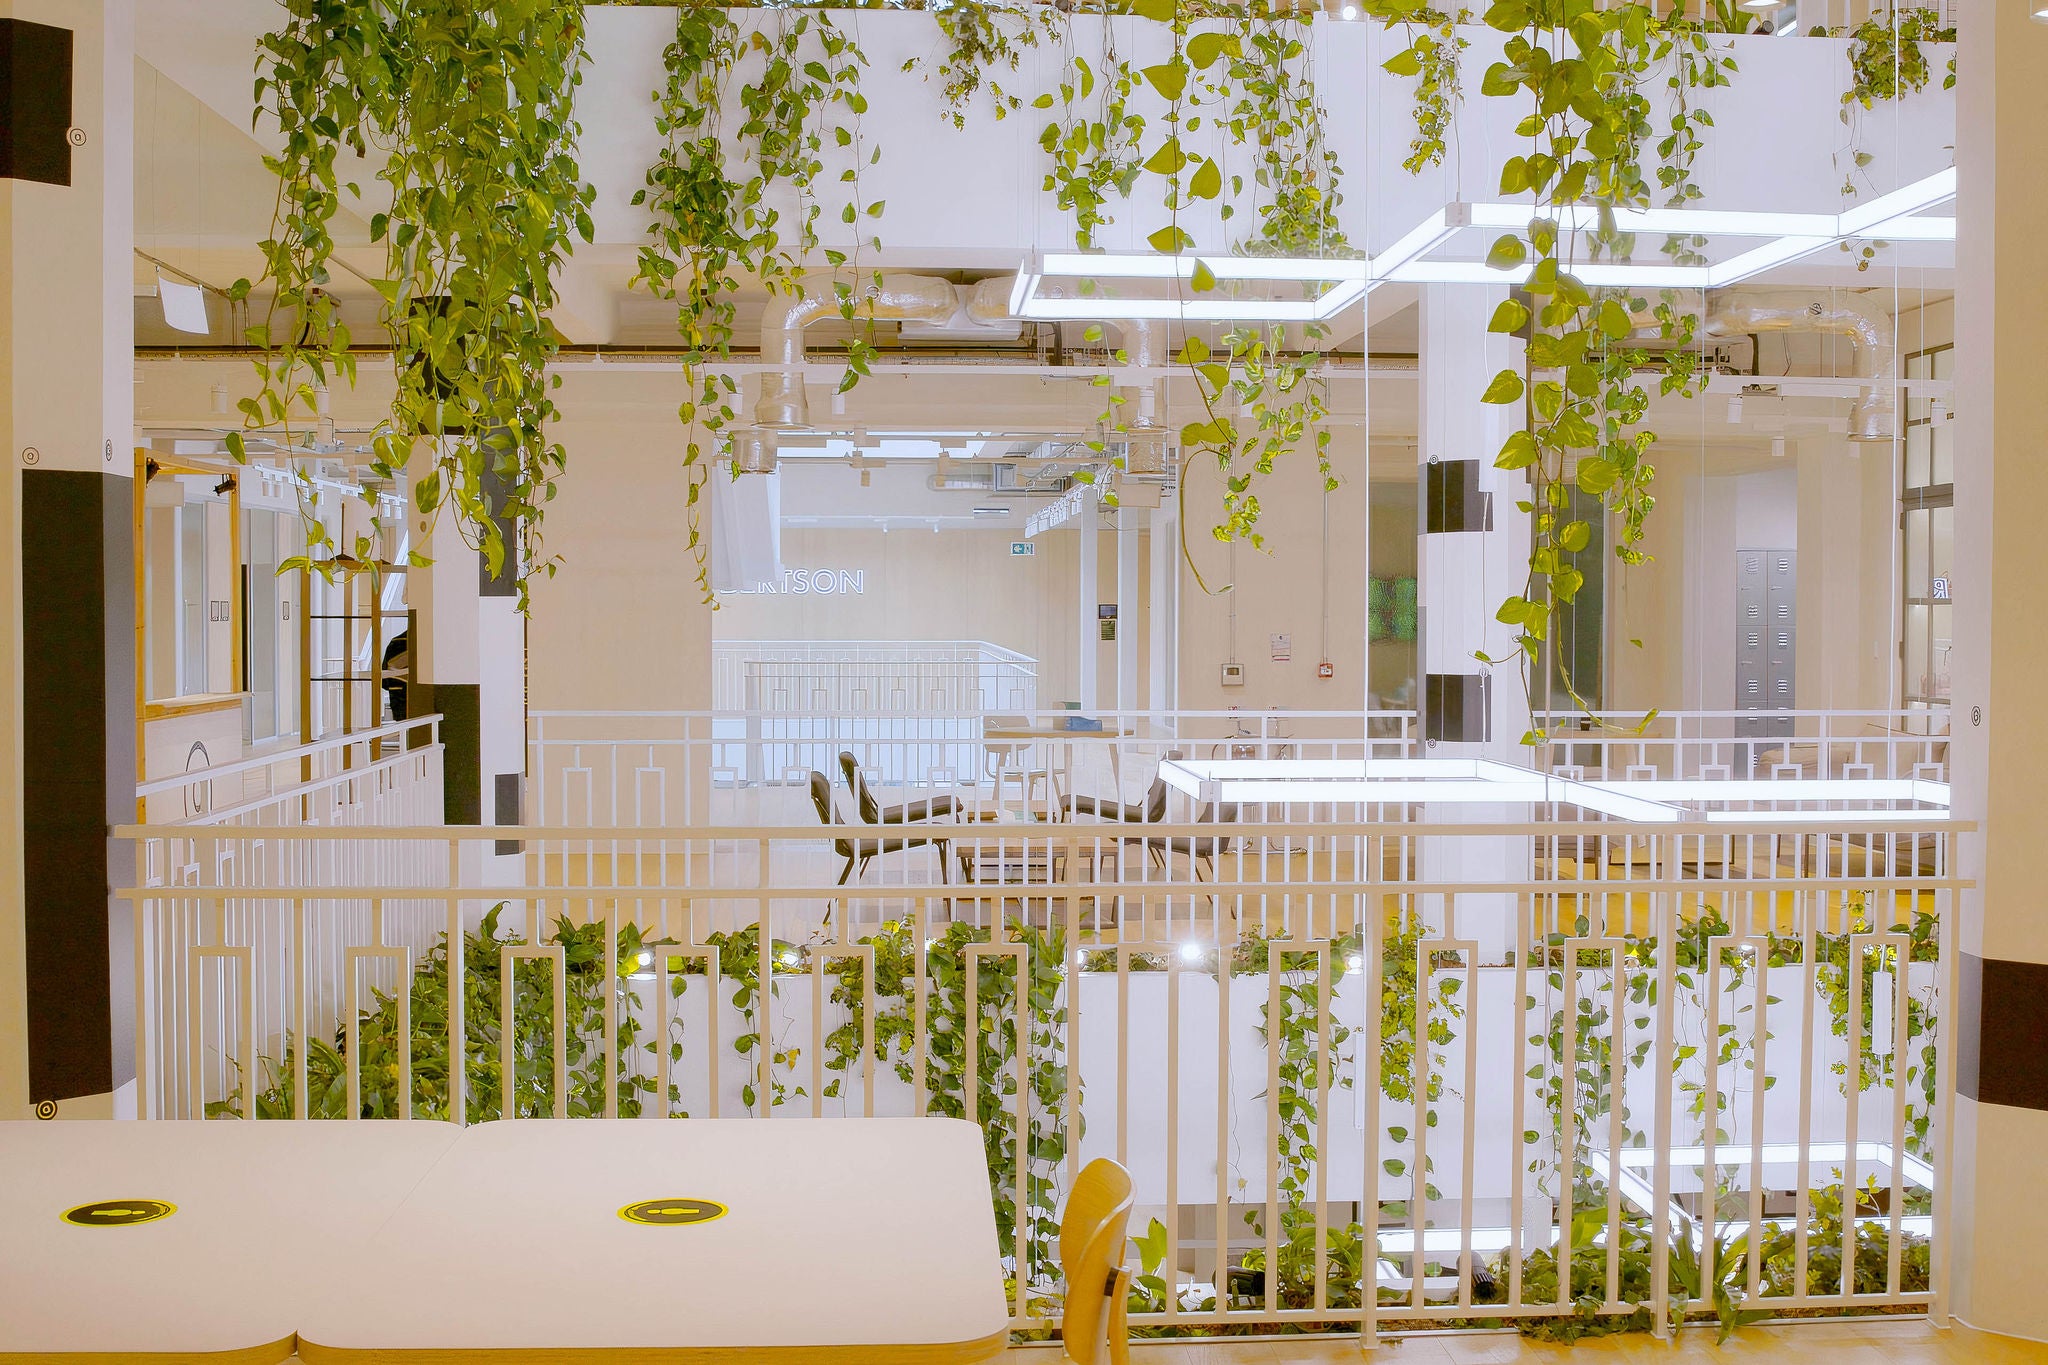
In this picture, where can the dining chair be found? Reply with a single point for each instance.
(1094, 1228)
(1150, 811)
(1009, 760)
(860, 852)
(873, 812)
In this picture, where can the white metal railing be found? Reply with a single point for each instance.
(871, 677)
(389, 776)
(642, 768)
(745, 767)
(308, 783)
(1752, 744)
(1571, 1060)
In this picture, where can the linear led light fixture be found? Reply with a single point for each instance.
(1407, 781)
(1793, 235)
(1346, 280)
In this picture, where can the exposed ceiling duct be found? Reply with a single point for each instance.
(1746, 312)
(1143, 348)
(783, 403)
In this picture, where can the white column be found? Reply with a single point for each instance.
(470, 659)
(68, 720)
(1088, 647)
(1472, 554)
(1998, 1179)
(1127, 697)
(1464, 572)
(1161, 606)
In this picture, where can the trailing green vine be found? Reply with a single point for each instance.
(1886, 62)
(588, 973)
(1587, 124)
(741, 202)
(1016, 1013)
(981, 40)
(1435, 47)
(1094, 154)
(485, 198)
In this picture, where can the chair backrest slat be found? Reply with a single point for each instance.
(1093, 1232)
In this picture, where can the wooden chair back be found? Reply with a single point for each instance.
(1093, 1232)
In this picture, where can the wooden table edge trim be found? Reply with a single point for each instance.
(267, 1354)
(923, 1353)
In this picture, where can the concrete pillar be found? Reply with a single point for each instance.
(1473, 553)
(469, 653)
(68, 730)
(1998, 1178)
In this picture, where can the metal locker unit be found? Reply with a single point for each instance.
(1766, 639)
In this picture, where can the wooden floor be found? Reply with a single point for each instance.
(1856, 1343)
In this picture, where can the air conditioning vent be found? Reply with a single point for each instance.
(975, 476)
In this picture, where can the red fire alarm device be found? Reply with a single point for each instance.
(1326, 669)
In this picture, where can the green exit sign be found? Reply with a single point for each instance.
(1023, 547)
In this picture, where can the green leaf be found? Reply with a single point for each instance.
(1158, 11)
(1506, 253)
(1169, 159)
(1509, 317)
(1204, 279)
(1517, 452)
(1406, 63)
(1506, 387)
(1170, 240)
(1204, 49)
(1207, 181)
(1168, 78)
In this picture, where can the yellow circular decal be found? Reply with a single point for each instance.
(118, 1213)
(663, 1213)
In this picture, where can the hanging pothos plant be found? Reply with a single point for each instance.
(981, 41)
(1092, 147)
(1431, 57)
(485, 195)
(1578, 70)
(740, 202)
(1886, 61)
(1248, 79)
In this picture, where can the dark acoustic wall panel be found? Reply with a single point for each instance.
(2002, 1048)
(1452, 500)
(1457, 709)
(78, 777)
(505, 582)
(508, 807)
(462, 797)
(35, 102)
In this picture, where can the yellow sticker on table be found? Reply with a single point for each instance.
(663, 1213)
(118, 1213)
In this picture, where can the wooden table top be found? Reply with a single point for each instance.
(1050, 732)
(263, 1213)
(848, 1240)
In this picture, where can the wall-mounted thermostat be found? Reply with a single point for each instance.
(1233, 675)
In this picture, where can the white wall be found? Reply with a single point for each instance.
(953, 584)
(623, 626)
(1279, 589)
